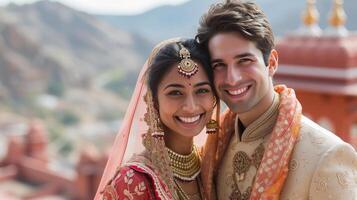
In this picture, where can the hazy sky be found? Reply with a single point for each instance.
(108, 6)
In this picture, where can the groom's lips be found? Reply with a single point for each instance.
(239, 92)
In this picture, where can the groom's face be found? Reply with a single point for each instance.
(241, 77)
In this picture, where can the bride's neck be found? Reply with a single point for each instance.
(178, 143)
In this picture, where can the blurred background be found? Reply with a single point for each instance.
(68, 68)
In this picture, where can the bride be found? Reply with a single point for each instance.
(154, 155)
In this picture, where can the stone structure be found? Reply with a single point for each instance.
(25, 172)
(322, 67)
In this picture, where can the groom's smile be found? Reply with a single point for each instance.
(240, 74)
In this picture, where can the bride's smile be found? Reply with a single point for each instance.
(185, 105)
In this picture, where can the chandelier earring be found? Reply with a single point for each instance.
(152, 117)
(212, 127)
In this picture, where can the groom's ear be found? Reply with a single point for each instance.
(273, 62)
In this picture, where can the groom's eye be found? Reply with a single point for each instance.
(217, 66)
(245, 61)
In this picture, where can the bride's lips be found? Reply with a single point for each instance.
(189, 121)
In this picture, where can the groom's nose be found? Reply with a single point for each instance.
(233, 75)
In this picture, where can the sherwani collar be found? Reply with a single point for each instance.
(261, 126)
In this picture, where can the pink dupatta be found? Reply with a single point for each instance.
(129, 140)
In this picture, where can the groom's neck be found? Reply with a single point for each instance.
(253, 114)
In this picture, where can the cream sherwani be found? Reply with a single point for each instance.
(322, 166)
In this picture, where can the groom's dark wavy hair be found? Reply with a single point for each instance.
(243, 17)
(168, 57)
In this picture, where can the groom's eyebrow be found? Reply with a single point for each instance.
(218, 60)
(243, 55)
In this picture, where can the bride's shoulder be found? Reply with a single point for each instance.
(127, 184)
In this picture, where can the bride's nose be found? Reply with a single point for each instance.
(190, 104)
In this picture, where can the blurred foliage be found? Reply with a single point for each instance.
(121, 82)
(55, 131)
(110, 115)
(41, 112)
(67, 117)
(66, 147)
(56, 88)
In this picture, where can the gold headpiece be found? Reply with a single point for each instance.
(187, 67)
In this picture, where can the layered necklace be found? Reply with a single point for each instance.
(185, 167)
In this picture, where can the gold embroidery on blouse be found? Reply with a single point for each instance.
(109, 192)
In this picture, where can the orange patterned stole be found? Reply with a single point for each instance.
(273, 169)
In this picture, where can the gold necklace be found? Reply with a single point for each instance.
(182, 195)
(185, 167)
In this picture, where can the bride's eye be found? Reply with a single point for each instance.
(202, 91)
(174, 93)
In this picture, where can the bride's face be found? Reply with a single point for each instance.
(185, 104)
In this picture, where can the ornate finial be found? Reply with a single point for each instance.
(338, 15)
(310, 15)
(187, 67)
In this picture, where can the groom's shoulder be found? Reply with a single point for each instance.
(318, 153)
(315, 140)
(315, 134)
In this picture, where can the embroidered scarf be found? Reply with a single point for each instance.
(273, 169)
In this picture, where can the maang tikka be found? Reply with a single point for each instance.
(187, 67)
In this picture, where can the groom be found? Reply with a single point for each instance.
(266, 148)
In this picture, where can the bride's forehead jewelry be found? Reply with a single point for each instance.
(187, 67)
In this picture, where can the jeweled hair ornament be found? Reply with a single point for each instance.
(187, 67)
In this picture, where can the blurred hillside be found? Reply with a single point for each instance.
(182, 20)
(47, 47)
(67, 68)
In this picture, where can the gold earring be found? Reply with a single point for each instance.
(211, 126)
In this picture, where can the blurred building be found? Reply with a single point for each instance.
(25, 171)
(321, 65)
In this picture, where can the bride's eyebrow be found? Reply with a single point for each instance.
(174, 85)
(201, 84)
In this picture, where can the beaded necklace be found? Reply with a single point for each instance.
(185, 167)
